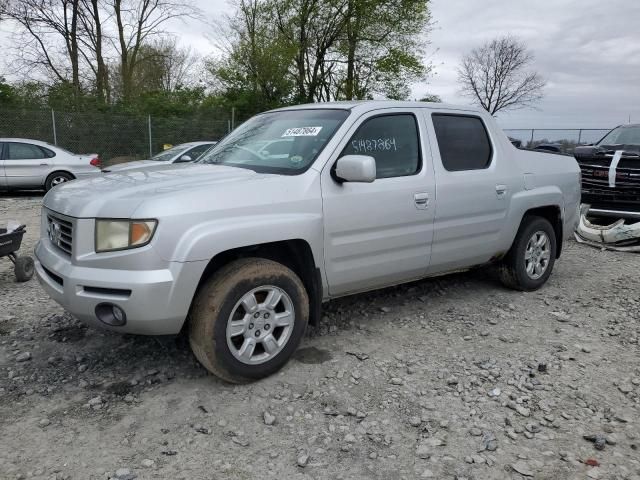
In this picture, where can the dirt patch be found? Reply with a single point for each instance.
(312, 355)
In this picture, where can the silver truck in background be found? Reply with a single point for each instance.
(242, 247)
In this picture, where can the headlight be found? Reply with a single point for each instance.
(123, 234)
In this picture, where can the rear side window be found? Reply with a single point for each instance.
(198, 150)
(392, 140)
(48, 153)
(463, 142)
(24, 151)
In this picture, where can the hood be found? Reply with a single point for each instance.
(119, 194)
(132, 165)
(599, 151)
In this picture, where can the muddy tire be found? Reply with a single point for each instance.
(530, 260)
(248, 319)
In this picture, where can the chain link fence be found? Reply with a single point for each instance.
(114, 137)
(117, 137)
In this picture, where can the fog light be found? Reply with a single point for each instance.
(111, 314)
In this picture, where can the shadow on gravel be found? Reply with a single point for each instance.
(21, 194)
(312, 355)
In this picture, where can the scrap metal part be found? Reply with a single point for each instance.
(616, 236)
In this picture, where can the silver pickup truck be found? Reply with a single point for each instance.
(295, 207)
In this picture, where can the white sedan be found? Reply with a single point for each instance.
(28, 163)
(183, 153)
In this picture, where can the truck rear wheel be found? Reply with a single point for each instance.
(530, 261)
(248, 319)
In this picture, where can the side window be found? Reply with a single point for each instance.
(463, 142)
(392, 140)
(195, 152)
(24, 151)
(48, 153)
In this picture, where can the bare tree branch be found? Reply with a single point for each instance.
(496, 76)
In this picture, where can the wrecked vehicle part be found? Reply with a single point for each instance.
(614, 236)
(611, 173)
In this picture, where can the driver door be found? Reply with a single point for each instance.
(378, 234)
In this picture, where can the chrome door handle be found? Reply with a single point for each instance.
(421, 200)
(501, 190)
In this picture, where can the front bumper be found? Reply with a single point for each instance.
(156, 302)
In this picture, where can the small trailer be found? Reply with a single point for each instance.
(9, 245)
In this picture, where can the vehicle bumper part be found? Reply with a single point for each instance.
(154, 302)
(615, 236)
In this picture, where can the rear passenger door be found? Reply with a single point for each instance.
(473, 189)
(380, 233)
(25, 164)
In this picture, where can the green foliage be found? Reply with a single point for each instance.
(431, 98)
(8, 95)
(384, 45)
(297, 51)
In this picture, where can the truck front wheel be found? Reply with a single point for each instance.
(530, 261)
(248, 319)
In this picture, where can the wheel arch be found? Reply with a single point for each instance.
(553, 214)
(295, 254)
(55, 171)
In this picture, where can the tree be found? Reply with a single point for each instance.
(383, 44)
(498, 77)
(8, 94)
(254, 71)
(298, 51)
(162, 66)
(46, 24)
(431, 98)
(311, 28)
(93, 38)
(137, 21)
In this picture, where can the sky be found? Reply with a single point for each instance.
(588, 51)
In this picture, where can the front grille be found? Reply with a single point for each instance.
(60, 233)
(595, 182)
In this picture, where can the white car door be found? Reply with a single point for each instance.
(25, 164)
(380, 233)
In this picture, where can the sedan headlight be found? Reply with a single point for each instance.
(123, 234)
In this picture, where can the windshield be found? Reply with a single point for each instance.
(622, 136)
(285, 142)
(167, 155)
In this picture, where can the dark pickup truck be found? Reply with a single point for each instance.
(611, 173)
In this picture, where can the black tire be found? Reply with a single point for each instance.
(215, 302)
(53, 178)
(23, 269)
(512, 269)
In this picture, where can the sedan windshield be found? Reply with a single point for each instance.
(622, 136)
(167, 155)
(285, 142)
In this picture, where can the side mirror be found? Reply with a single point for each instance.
(356, 168)
(185, 158)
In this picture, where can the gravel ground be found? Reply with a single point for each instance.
(448, 378)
